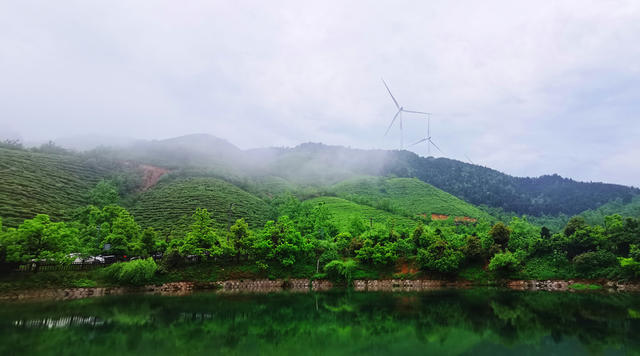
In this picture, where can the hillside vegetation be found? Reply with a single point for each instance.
(34, 183)
(538, 196)
(319, 164)
(406, 195)
(343, 212)
(169, 204)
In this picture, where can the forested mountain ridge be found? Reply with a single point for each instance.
(544, 195)
(321, 166)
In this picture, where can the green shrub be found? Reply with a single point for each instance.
(440, 256)
(504, 263)
(84, 283)
(338, 270)
(580, 286)
(596, 264)
(555, 265)
(630, 267)
(136, 272)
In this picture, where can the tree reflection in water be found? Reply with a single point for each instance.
(478, 321)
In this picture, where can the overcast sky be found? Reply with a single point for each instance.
(528, 88)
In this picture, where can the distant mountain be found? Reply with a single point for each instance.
(91, 141)
(545, 195)
(316, 163)
(319, 165)
(196, 150)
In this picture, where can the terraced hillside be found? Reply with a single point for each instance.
(344, 211)
(33, 183)
(407, 195)
(168, 206)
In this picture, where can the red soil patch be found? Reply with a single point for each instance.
(439, 217)
(405, 268)
(465, 219)
(151, 175)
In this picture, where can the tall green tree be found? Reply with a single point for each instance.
(104, 193)
(500, 234)
(202, 239)
(40, 239)
(280, 242)
(241, 238)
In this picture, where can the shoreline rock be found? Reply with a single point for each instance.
(303, 286)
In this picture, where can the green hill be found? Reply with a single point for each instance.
(169, 204)
(408, 196)
(34, 183)
(536, 196)
(344, 211)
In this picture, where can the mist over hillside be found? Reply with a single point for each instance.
(320, 164)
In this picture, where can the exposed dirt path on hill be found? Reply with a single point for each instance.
(151, 175)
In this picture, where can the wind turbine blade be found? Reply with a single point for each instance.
(392, 121)
(436, 146)
(394, 99)
(416, 112)
(469, 158)
(417, 142)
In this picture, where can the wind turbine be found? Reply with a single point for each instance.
(428, 138)
(398, 114)
(470, 161)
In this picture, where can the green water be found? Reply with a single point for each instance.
(467, 322)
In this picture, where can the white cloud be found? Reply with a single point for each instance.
(527, 88)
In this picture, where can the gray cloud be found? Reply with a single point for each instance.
(524, 87)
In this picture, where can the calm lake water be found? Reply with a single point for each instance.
(452, 322)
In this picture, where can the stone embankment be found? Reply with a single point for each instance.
(176, 289)
(406, 285)
(303, 286)
(276, 285)
(564, 285)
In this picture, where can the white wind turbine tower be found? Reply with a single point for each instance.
(398, 114)
(428, 138)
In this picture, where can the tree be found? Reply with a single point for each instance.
(595, 264)
(149, 241)
(341, 270)
(584, 239)
(202, 239)
(504, 263)
(500, 234)
(523, 234)
(321, 248)
(357, 226)
(378, 246)
(123, 237)
(545, 233)
(40, 239)
(279, 241)
(97, 230)
(104, 193)
(473, 250)
(630, 267)
(440, 256)
(634, 252)
(51, 147)
(574, 224)
(241, 238)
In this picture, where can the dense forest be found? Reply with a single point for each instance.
(318, 163)
(313, 211)
(313, 241)
(311, 165)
